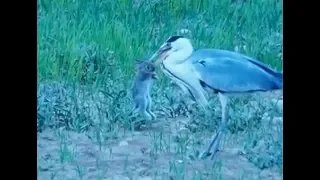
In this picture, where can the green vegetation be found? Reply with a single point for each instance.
(86, 54)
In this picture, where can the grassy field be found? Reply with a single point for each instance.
(86, 54)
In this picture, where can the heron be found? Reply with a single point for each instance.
(224, 72)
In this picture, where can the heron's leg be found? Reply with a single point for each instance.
(224, 101)
(215, 140)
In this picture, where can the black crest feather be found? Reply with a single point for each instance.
(173, 38)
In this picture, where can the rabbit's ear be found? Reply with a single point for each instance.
(138, 63)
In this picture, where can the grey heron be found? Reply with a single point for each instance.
(225, 72)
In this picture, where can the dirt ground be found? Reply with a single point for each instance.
(136, 155)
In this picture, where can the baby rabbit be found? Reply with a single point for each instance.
(145, 75)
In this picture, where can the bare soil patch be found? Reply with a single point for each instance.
(139, 155)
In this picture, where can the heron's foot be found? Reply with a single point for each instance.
(214, 155)
(207, 154)
(204, 155)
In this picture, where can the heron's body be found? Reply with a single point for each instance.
(230, 72)
(222, 71)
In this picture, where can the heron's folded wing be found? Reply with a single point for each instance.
(227, 74)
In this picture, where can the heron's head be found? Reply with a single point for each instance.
(177, 47)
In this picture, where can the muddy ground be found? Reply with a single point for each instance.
(153, 153)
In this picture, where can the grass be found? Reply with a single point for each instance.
(86, 54)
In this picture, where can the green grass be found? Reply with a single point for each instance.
(86, 54)
(106, 31)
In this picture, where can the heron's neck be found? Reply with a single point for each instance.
(180, 69)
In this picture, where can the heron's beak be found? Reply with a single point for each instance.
(159, 55)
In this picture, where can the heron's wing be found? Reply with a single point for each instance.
(232, 72)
